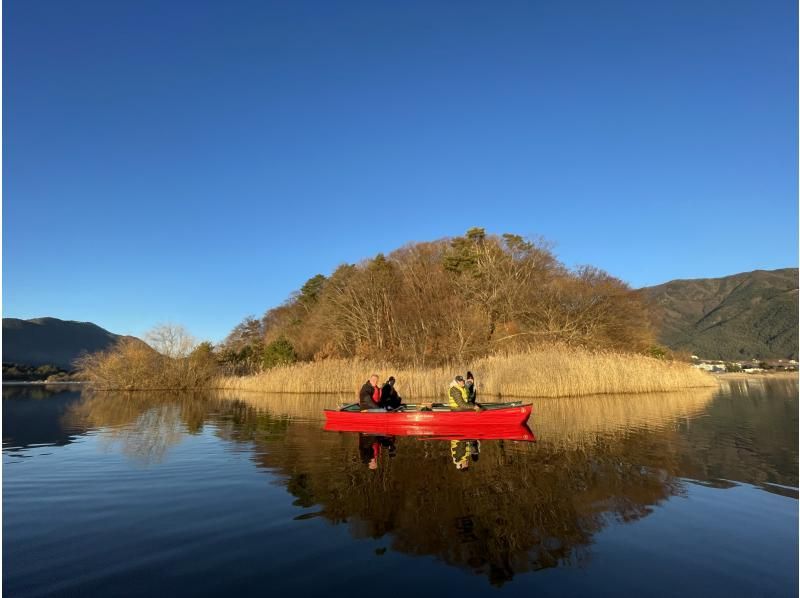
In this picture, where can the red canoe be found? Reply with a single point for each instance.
(497, 421)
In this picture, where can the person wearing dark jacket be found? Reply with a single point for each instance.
(389, 397)
(472, 391)
(369, 397)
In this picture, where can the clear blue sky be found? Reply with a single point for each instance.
(196, 162)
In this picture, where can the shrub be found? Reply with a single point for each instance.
(657, 352)
(279, 352)
(133, 365)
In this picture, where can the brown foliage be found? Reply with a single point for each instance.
(454, 300)
(131, 364)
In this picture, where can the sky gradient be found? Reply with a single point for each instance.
(196, 162)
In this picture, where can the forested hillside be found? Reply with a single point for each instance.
(50, 341)
(747, 315)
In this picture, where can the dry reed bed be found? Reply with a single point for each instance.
(554, 372)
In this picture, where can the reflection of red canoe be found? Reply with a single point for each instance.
(445, 432)
(501, 421)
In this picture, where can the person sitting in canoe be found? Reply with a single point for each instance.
(458, 397)
(472, 392)
(369, 397)
(389, 397)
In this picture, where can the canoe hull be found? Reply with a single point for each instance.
(496, 423)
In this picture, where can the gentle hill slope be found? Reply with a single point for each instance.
(747, 315)
(44, 341)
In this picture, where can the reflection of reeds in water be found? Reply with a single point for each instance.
(578, 420)
(148, 423)
(509, 513)
(761, 386)
(572, 420)
(520, 507)
(552, 372)
(307, 407)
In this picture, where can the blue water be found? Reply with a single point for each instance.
(177, 495)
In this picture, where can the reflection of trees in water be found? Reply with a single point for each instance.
(34, 416)
(36, 391)
(144, 424)
(750, 434)
(150, 435)
(520, 508)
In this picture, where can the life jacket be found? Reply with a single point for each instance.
(451, 403)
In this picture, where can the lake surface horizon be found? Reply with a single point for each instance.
(182, 494)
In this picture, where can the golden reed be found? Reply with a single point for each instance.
(550, 372)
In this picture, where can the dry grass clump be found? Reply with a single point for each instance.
(132, 365)
(562, 372)
(551, 372)
(340, 376)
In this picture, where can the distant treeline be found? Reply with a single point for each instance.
(18, 372)
(445, 301)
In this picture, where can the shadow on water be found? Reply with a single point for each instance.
(496, 508)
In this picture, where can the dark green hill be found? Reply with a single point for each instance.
(747, 315)
(50, 341)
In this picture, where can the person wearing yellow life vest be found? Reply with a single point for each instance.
(458, 396)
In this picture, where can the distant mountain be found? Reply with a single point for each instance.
(44, 341)
(747, 315)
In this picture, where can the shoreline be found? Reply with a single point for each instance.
(755, 375)
(219, 385)
(41, 382)
(493, 397)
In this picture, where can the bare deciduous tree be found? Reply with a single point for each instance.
(171, 340)
(433, 302)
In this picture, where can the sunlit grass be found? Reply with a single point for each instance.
(551, 372)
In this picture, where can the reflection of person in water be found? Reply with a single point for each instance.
(369, 448)
(464, 451)
(474, 449)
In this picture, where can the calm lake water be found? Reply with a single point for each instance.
(187, 495)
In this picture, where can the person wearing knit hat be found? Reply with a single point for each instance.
(457, 395)
(389, 397)
(472, 391)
